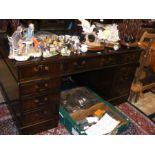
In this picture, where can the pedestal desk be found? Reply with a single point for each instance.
(33, 87)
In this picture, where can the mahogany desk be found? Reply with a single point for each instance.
(33, 87)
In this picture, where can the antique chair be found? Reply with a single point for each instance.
(145, 75)
(13, 49)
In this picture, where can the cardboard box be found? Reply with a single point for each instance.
(70, 119)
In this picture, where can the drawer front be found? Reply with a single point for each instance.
(38, 102)
(82, 64)
(38, 128)
(37, 70)
(40, 86)
(130, 57)
(38, 116)
(109, 60)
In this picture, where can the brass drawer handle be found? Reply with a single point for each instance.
(45, 98)
(46, 85)
(80, 64)
(83, 62)
(46, 68)
(41, 67)
(41, 86)
(36, 69)
(36, 101)
(41, 101)
(45, 112)
(36, 86)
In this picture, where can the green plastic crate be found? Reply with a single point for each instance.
(75, 129)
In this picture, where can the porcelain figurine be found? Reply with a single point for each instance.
(52, 48)
(29, 32)
(65, 51)
(110, 33)
(36, 43)
(84, 48)
(116, 47)
(15, 42)
(86, 26)
(46, 53)
(53, 51)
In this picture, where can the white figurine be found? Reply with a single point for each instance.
(84, 48)
(86, 27)
(65, 52)
(15, 42)
(110, 33)
(46, 53)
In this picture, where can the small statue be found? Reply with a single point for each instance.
(65, 52)
(84, 48)
(17, 40)
(86, 26)
(90, 33)
(36, 43)
(110, 33)
(29, 32)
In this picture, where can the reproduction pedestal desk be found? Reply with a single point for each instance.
(33, 87)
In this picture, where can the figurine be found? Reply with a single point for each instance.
(110, 33)
(36, 43)
(90, 33)
(84, 48)
(17, 42)
(29, 32)
(52, 48)
(45, 44)
(86, 26)
(46, 53)
(65, 52)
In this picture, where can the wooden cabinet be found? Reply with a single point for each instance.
(37, 83)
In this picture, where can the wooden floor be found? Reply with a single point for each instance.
(146, 103)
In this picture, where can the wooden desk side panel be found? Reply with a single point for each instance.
(9, 83)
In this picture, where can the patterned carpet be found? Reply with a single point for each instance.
(140, 125)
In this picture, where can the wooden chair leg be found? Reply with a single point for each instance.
(133, 97)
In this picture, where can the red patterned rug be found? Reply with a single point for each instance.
(7, 125)
(144, 126)
(140, 125)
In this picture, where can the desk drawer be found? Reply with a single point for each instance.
(40, 115)
(40, 86)
(130, 57)
(43, 126)
(109, 60)
(81, 64)
(38, 70)
(41, 101)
